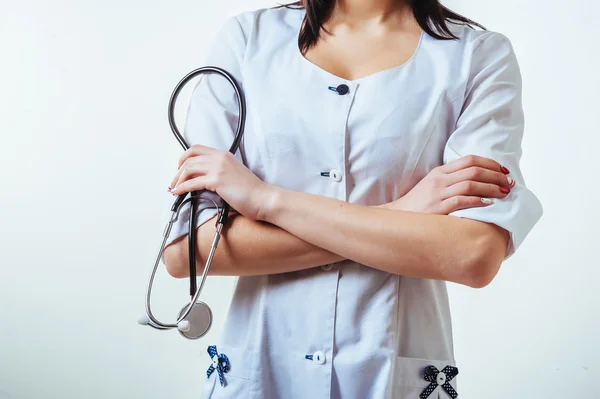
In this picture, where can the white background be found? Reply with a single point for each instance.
(87, 155)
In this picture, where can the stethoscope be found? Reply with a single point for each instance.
(195, 318)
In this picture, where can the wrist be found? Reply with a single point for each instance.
(396, 205)
(270, 199)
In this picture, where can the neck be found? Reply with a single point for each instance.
(358, 11)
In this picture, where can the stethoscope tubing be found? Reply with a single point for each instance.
(194, 199)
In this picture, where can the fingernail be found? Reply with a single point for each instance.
(169, 189)
(486, 201)
(504, 190)
(504, 170)
(511, 181)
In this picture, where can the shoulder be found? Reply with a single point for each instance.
(266, 20)
(260, 29)
(474, 37)
(249, 35)
(475, 50)
(475, 43)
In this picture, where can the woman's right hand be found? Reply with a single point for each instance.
(468, 182)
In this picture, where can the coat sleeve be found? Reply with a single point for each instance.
(491, 125)
(212, 115)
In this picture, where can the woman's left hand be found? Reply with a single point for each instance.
(204, 168)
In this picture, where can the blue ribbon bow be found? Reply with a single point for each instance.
(220, 363)
(430, 373)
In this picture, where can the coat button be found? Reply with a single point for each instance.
(441, 378)
(327, 267)
(342, 89)
(336, 175)
(319, 357)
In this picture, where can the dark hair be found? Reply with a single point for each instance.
(430, 15)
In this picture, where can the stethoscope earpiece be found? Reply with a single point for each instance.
(143, 320)
(183, 326)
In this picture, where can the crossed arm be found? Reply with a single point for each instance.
(406, 243)
(296, 231)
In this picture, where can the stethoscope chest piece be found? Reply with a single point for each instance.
(198, 323)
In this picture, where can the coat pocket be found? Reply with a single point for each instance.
(236, 380)
(424, 379)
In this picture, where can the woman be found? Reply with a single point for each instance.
(380, 160)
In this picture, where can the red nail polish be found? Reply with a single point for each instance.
(504, 190)
(504, 170)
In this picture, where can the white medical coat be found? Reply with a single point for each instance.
(370, 333)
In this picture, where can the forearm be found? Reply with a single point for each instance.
(406, 243)
(248, 247)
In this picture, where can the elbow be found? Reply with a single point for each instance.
(176, 259)
(481, 275)
(488, 253)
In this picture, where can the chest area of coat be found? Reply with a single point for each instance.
(307, 123)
